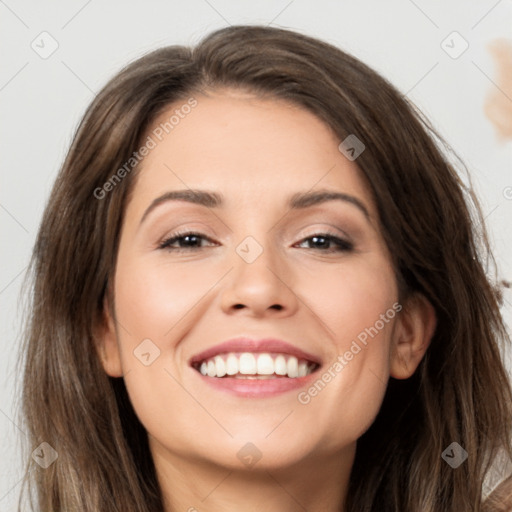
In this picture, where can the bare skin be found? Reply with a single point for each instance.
(307, 291)
(498, 107)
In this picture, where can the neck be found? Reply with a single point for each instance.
(313, 484)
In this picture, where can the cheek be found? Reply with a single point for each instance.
(156, 304)
(153, 306)
(357, 307)
(151, 298)
(353, 299)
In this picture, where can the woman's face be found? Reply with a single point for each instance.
(315, 274)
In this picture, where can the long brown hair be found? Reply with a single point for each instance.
(430, 220)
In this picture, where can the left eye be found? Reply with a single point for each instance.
(324, 242)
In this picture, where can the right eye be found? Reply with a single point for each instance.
(185, 241)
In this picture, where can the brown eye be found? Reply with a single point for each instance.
(327, 242)
(184, 241)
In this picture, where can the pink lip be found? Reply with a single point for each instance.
(268, 345)
(246, 388)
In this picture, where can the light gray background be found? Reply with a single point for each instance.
(42, 100)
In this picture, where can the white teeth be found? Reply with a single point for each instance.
(293, 367)
(220, 366)
(280, 365)
(232, 365)
(254, 366)
(247, 363)
(212, 372)
(265, 365)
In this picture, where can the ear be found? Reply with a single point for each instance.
(413, 332)
(106, 342)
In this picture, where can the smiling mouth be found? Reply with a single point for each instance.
(260, 366)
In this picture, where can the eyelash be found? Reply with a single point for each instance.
(341, 245)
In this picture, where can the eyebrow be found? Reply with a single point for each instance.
(297, 201)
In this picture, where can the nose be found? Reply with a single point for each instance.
(263, 287)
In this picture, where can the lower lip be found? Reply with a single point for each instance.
(257, 388)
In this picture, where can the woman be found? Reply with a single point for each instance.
(257, 285)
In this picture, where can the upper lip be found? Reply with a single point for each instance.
(243, 344)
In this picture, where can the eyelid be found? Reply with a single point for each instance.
(331, 230)
(194, 227)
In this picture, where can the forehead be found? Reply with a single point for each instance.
(246, 147)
